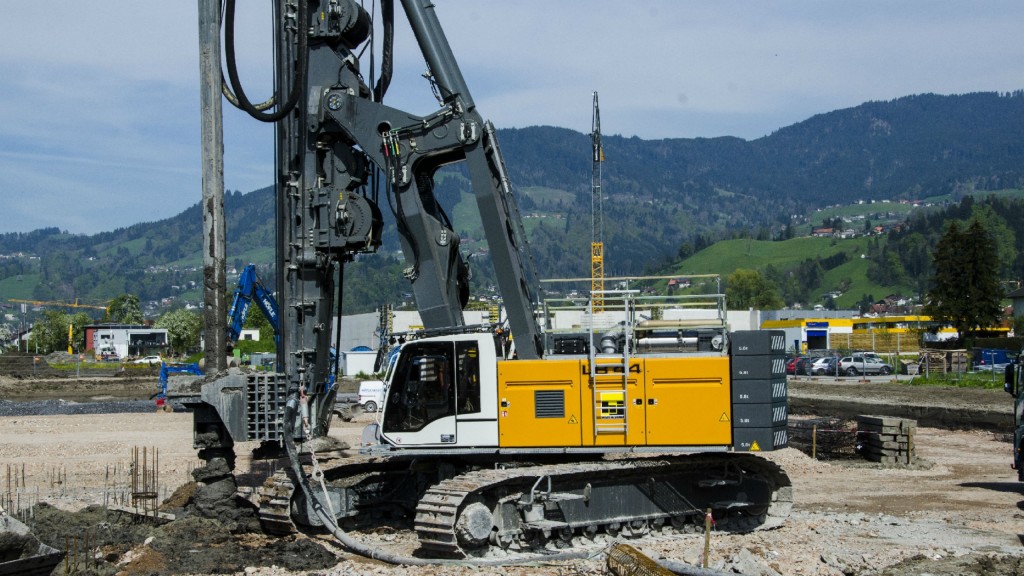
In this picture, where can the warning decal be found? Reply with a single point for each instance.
(754, 447)
(572, 419)
(724, 418)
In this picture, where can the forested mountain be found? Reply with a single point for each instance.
(663, 199)
(660, 194)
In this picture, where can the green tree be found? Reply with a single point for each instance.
(865, 302)
(124, 309)
(183, 329)
(1003, 238)
(50, 333)
(965, 292)
(7, 335)
(80, 320)
(258, 321)
(750, 289)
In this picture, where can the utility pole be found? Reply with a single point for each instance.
(214, 257)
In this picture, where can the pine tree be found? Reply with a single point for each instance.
(966, 292)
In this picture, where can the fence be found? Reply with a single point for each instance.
(882, 342)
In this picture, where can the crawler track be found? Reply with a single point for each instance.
(275, 496)
(643, 496)
(530, 509)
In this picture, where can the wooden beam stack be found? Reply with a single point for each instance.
(887, 439)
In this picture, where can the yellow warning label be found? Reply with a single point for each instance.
(572, 419)
(754, 447)
(612, 405)
(724, 418)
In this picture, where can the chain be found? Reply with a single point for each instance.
(318, 473)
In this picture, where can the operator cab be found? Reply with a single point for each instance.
(434, 394)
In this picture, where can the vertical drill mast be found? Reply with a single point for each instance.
(597, 216)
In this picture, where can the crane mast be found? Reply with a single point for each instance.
(597, 216)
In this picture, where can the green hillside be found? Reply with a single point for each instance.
(728, 255)
(850, 278)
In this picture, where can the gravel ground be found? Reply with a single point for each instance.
(61, 407)
(960, 510)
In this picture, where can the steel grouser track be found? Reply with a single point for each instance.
(530, 509)
(275, 496)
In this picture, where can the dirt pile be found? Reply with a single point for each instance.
(104, 542)
(20, 365)
(17, 546)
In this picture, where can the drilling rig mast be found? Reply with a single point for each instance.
(597, 216)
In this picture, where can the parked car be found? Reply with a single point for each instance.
(825, 366)
(803, 366)
(997, 368)
(151, 360)
(863, 364)
(799, 365)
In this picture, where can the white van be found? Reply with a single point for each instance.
(371, 395)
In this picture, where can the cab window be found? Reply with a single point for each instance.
(422, 388)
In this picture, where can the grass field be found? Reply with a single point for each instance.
(19, 287)
(727, 256)
(877, 213)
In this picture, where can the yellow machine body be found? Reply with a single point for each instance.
(664, 401)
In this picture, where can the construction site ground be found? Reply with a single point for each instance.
(958, 510)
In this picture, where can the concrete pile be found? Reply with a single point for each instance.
(886, 439)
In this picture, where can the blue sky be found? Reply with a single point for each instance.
(99, 100)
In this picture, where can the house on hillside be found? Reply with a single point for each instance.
(1017, 298)
(678, 284)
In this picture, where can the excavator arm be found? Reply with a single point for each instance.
(251, 289)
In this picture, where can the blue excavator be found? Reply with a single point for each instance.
(251, 289)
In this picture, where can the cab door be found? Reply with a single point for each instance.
(688, 401)
(420, 406)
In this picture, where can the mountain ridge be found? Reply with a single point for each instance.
(659, 194)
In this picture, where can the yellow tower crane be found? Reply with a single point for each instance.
(597, 216)
(74, 304)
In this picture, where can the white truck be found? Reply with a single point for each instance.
(371, 395)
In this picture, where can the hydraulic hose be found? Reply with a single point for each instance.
(387, 12)
(300, 73)
(291, 412)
